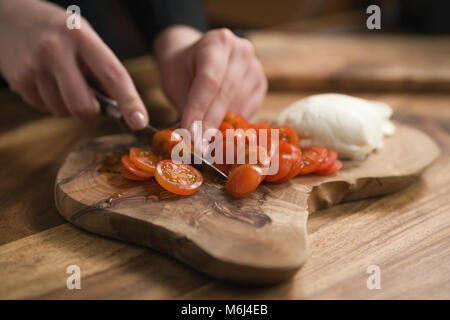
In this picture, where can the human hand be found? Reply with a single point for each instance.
(43, 61)
(205, 75)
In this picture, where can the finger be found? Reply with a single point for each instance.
(31, 96)
(240, 57)
(255, 101)
(114, 78)
(75, 92)
(211, 61)
(253, 91)
(49, 92)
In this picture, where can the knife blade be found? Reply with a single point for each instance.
(109, 108)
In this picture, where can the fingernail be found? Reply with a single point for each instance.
(137, 120)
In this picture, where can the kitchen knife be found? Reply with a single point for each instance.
(109, 108)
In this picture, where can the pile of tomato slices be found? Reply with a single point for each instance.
(243, 178)
(143, 164)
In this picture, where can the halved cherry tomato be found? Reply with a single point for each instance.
(284, 164)
(159, 139)
(296, 164)
(287, 134)
(243, 180)
(260, 125)
(256, 154)
(318, 153)
(134, 169)
(178, 178)
(264, 138)
(224, 126)
(312, 158)
(224, 166)
(334, 167)
(128, 175)
(329, 160)
(144, 159)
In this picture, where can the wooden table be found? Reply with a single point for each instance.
(406, 234)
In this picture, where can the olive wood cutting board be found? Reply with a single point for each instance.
(260, 239)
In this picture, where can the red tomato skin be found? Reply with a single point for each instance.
(285, 162)
(296, 165)
(130, 176)
(133, 169)
(337, 165)
(172, 186)
(142, 161)
(288, 135)
(331, 157)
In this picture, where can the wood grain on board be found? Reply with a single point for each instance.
(368, 62)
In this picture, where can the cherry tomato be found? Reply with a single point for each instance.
(287, 134)
(243, 180)
(128, 175)
(312, 158)
(159, 139)
(264, 138)
(334, 167)
(260, 125)
(178, 178)
(285, 162)
(236, 120)
(144, 159)
(224, 126)
(257, 154)
(329, 160)
(134, 169)
(296, 164)
(318, 153)
(226, 167)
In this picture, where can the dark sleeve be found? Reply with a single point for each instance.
(153, 16)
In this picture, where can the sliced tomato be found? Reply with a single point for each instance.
(256, 155)
(287, 134)
(337, 165)
(224, 126)
(264, 138)
(144, 159)
(225, 168)
(243, 180)
(236, 120)
(296, 164)
(159, 140)
(284, 164)
(134, 169)
(318, 153)
(312, 158)
(163, 142)
(309, 165)
(178, 178)
(128, 175)
(260, 125)
(331, 158)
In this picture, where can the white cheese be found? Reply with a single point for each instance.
(352, 126)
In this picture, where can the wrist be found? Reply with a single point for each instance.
(173, 39)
